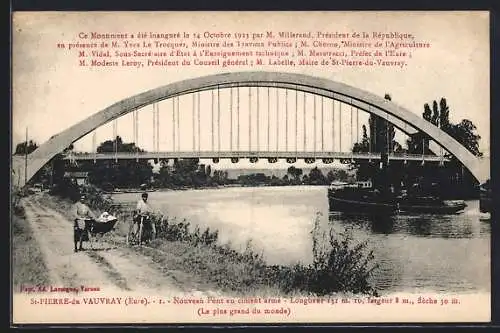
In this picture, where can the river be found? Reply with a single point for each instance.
(424, 253)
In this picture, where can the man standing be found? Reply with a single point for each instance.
(143, 210)
(83, 216)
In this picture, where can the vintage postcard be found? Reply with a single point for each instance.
(250, 167)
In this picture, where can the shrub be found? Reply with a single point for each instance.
(340, 265)
(179, 231)
(66, 189)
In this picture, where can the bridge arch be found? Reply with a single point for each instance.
(402, 118)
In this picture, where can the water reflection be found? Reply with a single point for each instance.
(420, 226)
(377, 224)
(382, 224)
(426, 252)
(441, 226)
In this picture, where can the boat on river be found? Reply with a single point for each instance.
(366, 200)
(431, 205)
(351, 200)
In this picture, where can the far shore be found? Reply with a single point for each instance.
(167, 189)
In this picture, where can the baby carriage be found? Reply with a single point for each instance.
(88, 229)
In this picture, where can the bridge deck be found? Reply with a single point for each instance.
(249, 154)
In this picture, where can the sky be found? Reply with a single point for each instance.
(51, 92)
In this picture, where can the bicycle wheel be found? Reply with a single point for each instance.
(148, 232)
(141, 232)
(130, 234)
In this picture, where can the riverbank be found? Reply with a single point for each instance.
(198, 254)
(168, 189)
(257, 186)
(203, 188)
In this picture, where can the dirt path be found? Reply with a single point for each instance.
(108, 266)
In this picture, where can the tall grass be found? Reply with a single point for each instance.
(17, 208)
(28, 262)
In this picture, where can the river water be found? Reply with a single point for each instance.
(424, 253)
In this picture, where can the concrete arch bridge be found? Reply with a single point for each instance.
(331, 94)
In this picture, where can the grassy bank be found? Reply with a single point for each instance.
(340, 265)
(28, 264)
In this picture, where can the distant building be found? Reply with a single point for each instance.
(79, 177)
(358, 184)
(364, 184)
(337, 185)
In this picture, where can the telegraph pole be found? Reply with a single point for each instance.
(26, 159)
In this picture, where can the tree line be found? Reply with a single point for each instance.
(190, 173)
(178, 173)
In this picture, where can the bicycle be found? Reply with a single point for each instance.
(144, 231)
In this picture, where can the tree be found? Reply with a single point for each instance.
(339, 174)
(444, 114)
(316, 177)
(330, 176)
(379, 131)
(123, 173)
(418, 143)
(427, 115)
(435, 114)
(165, 175)
(220, 177)
(364, 145)
(382, 133)
(305, 179)
(294, 172)
(439, 116)
(455, 181)
(184, 171)
(257, 179)
(44, 175)
(381, 140)
(186, 166)
(24, 148)
(464, 132)
(110, 146)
